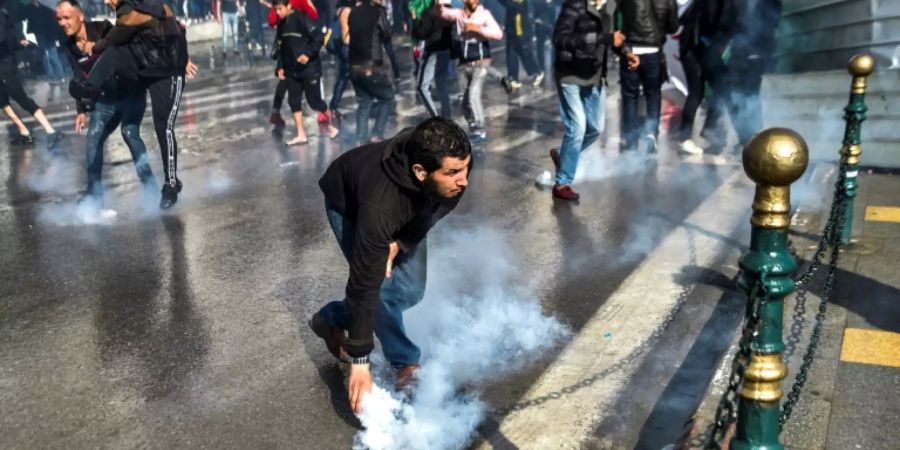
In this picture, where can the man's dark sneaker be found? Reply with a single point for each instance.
(169, 195)
(651, 143)
(276, 119)
(406, 377)
(53, 139)
(334, 338)
(565, 192)
(22, 139)
(507, 85)
(554, 156)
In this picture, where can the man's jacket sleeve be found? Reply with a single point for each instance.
(367, 265)
(413, 233)
(566, 39)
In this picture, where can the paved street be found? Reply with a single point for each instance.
(187, 329)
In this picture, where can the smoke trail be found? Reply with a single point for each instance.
(468, 339)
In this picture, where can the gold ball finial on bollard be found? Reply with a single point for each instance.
(861, 66)
(774, 158)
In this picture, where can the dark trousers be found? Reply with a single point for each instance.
(165, 98)
(127, 112)
(115, 65)
(375, 94)
(696, 86)
(519, 47)
(735, 92)
(434, 67)
(11, 88)
(280, 92)
(647, 76)
(311, 88)
(340, 84)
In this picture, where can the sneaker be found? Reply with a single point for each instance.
(169, 195)
(53, 139)
(276, 119)
(477, 136)
(505, 82)
(690, 147)
(565, 192)
(651, 143)
(406, 377)
(554, 156)
(335, 340)
(22, 139)
(538, 79)
(515, 84)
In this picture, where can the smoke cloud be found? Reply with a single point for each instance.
(476, 324)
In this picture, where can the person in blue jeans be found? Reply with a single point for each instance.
(381, 200)
(122, 104)
(580, 66)
(370, 72)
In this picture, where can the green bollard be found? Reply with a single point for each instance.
(773, 159)
(861, 66)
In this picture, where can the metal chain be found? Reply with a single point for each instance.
(837, 207)
(832, 236)
(726, 411)
(645, 346)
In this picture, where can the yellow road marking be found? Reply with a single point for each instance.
(876, 347)
(883, 214)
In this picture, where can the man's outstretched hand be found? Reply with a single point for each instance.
(392, 253)
(359, 386)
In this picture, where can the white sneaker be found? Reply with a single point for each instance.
(690, 147)
(515, 84)
(538, 79)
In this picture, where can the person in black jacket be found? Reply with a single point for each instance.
(121, 104)
(299, 42)
(434, 64)
(581, 55)
(370, 71)
(147, 40)
(645, 24)
(519, 29)
(11, 39)
(381, 200)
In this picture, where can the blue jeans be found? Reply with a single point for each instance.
(52, 64)
(403, 290)
(583, 113)
(647, 76)
(229, 26)
(373, 91)
(108, 115)
(435, 66)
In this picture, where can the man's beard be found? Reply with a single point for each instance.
(430, 187)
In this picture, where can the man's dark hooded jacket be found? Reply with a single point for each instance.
(581, 44)
(373, 186)
(150, 30)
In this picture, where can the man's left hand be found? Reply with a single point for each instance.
(634, 61)
(191, 70)
(303, 59)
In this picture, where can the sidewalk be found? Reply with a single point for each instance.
(849, 401)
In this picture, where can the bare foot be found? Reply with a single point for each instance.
(299, 140)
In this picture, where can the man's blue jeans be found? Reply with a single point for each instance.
(108, 115)
(229, 27)
(374, 91)
(583, 113)
(403, 290)
(52, 64)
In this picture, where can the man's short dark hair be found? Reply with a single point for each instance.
(281, 3)
(435, 139)
(74, 4)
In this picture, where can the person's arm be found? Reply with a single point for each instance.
(368, 263)
(413, 233)
(384, 27)
(219, 11)
(345, 25)
(491, 29)
(455, 14)
(127, 24)
(672, 17)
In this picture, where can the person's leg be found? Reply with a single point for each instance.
(526, 52)
(468, 73)
(403, 290)
(104, 120)
(49, 68)
(363, 108)
(343, 77)
(224, 32)
(383, 91)
(280, 91)
(313, 90)
(24, 133)
(336, 313)
(574, 120)
(476, 95)
(442, 76)
(592, 98)
(165, 97)
(392, 57)
(427, 68)
(295, 95)
(133, 108)
(630, 87)
(652, 84)
(745, 98)
(694, 77)
(512, 59)
(233, 25)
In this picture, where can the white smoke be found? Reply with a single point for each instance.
(476, 324)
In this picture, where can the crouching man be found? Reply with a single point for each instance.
(381, 199)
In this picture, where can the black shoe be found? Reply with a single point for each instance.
(53, 139)
(22, 139)
(169, 195)
(507, 85)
